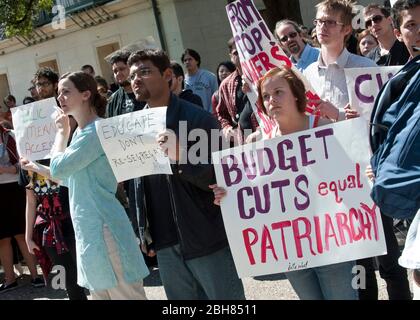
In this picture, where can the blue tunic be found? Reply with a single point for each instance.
(84, 169)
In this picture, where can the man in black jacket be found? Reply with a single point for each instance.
(187, 229)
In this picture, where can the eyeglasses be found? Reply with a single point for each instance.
(42, 84)
(375, 19)
(141, 73)
(291, 35)
(328, 23)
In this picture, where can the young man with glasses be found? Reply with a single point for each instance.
(46, 82)
(390, 51)
(290, 38)
(177, 210)
(326, 75)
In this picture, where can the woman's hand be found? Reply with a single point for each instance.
(369, 173)
(350, 113)
(27, 165)
(31, 246)
(219, 193)
(62, 123)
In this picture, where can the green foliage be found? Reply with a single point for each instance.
(17, 16)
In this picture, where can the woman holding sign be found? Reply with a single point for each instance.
(282, 98)
(109, 261)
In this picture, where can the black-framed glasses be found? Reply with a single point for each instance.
(286, 38)
(42, 84)
(141, 73)
(375, 19)
(329, 23)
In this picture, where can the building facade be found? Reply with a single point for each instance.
(89, 30)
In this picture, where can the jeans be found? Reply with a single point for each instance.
(395, 276)
(331, 282)
(68, 261)
(211, 277)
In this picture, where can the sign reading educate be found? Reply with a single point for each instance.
(129, 142)
(300, 201)
(34, 127)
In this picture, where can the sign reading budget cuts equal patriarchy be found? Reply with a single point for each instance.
(129, 142)
(364, 84)
(34, 127)
(300, 201)
(259, 53)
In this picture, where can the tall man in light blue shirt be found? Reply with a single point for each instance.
(289, 35)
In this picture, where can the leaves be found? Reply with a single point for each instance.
(17, 17)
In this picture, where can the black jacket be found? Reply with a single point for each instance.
(398, 55)
(189, 96)
(199, 222)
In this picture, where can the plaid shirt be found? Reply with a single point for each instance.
(226, 109)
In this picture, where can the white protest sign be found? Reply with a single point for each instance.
(129, 142)
(300, 201)
(364, 84)
(34, 127)
(259, 53)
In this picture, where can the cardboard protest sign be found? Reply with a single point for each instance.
(34, 127)
(259, 53)
(300, 201)
(129, 142)
(364, 84)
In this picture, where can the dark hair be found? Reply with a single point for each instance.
(85, 82)
(178, 71)
(192, 53)
(119, 56)
(229, 65)
(295, 83)
(88, 66)
(9, 97)
(159, 58)
(286, 22)
(101, 81)
(385, 11)
(27, 100)
(47, 73)
(399, 7)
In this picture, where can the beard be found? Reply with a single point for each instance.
(142, 95)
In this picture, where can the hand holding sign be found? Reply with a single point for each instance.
(168, 142)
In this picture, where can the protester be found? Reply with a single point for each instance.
(390, 51)
(9, 102)
(366, 42)
(327, 77)
(87, 68)
(46, 81)
(177, 86)
(233, 101)
(282, 98)
(103, 87)
(123, 100)
(13, 220)
(394, 123)
(186, 228)
(202, 82)
(290, 38)
(109, 261)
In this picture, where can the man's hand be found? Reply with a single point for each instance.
(327, 109)
(350, 113)
(169, 144)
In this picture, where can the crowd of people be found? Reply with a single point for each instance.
(105, 234)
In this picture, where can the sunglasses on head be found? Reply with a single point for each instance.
(375, 19)
(291, 35)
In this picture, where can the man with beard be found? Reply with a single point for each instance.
(390, 51)
(123, 100)
(185, 225)
(290, 38)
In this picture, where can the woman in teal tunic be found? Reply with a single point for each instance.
(109, 260)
